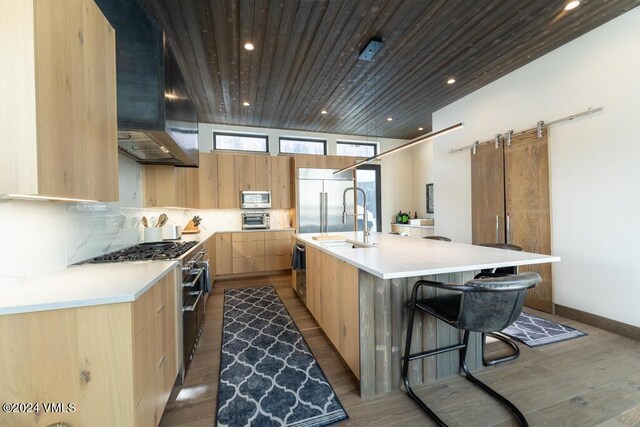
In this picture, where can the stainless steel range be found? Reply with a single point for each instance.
(194, 288)
(195, 278)
(145, 251)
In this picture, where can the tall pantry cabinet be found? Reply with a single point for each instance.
(511, 203)
(58, 106)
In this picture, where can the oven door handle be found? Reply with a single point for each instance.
(192, 283)
(193, 307)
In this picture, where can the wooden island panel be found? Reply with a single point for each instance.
(365, 318)
(383, 328)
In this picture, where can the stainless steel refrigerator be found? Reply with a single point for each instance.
(320, 200)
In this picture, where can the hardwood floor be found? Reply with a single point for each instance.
(589, 381)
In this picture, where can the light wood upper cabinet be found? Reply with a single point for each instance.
(254, 172)
(58, 108)
(208, 181)
(187, 187)
(169, 186)
(228, 190)
(263, 173)
(281, 182)
(159, 186)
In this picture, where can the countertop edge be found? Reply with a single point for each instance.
(426, 272)
(88, 302)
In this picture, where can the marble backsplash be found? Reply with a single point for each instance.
(45, 236)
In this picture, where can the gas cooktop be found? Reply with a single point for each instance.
(145, 251)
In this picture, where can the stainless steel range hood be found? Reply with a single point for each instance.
(157, 121)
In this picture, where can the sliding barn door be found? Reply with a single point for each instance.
(487, 194)
(526, 165)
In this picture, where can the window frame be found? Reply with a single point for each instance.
(300, 139)
(368, 144)
(240, 134)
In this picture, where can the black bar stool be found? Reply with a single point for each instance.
(484, 305)
(441, 238)
(499, 335)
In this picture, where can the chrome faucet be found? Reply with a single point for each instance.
(355, 214)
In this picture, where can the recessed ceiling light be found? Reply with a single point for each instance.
(246, 104)
(389, 119)
(248, 46)
(420, 128)
(451, 81)
(323, 112)
(572, 5)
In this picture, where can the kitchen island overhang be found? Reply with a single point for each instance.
(359, 297)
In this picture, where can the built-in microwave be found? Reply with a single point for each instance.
(255, 199)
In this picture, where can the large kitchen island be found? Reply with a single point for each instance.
(359, 295)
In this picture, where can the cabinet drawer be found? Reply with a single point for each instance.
(278, 235)
(145, 360)
(277, 247)
(248, 265)
(277, 262)
(248, 236)
(244, 249)
(143, 310)
(147, 410)
(415, 232)
(165, 377)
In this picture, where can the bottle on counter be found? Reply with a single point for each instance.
(405, 218)
(399, 217)
(415, 215)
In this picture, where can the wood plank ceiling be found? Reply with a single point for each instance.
(305, 56)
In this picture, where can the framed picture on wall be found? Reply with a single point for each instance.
(430, 198)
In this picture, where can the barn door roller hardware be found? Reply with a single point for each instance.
(539, 126)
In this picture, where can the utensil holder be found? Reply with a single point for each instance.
(153, 234)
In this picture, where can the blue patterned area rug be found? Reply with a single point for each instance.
(268, 376)
(535, 331)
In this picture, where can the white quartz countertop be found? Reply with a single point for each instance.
(93, 284)
(397, 256)
(82, 285)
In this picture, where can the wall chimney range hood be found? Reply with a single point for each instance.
(157, 120)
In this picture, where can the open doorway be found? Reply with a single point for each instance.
(368, 178)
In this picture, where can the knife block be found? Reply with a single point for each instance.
(191, 228)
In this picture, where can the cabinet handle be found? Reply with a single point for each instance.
(508, 229)
(163, 361)
(161, 309)
(194, 281)
(193, 307)
(497, 228)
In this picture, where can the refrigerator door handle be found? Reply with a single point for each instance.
(321, 212)
(326, 212)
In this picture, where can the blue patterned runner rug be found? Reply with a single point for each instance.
(268, 376)
(535, 331)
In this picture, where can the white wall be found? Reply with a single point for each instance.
(395, 170)
(422, 169)
(594, 162)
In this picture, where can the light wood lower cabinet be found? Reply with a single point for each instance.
(224, 254)
(116, 362)
(252, 252)
(333, 299)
